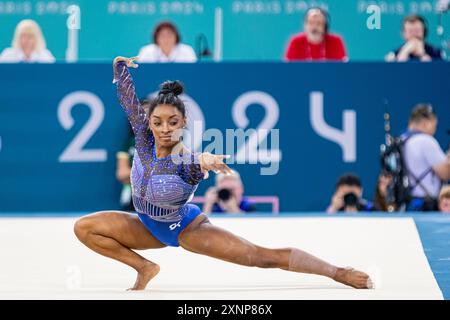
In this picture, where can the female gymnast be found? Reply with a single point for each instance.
(161, 191)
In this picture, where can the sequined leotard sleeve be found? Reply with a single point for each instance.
(160, 186)
(136, 114)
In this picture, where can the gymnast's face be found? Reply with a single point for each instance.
(166, 123)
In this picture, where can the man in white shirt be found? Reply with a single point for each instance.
(426, 162)
(166, 46)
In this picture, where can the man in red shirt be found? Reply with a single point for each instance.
(315, 43)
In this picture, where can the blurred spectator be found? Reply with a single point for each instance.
(348, 196)
(381, 200)
(425, 161)
(124, 161)
(315, 43)
(167, 46)
(28, 45)
(444, 199)
(227, 196)
(415, 48)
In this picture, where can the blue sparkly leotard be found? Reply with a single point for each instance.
(161, 187)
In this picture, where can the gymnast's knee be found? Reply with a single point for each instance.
(83, 227)
(95, 223)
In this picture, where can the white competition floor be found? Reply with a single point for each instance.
(42, 259)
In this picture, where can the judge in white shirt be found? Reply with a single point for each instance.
(28, 45)
(166, 46)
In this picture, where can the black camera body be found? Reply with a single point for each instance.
(393, 164)
(224, 194)
(351, 200)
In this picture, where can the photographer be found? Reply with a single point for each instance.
(348, 196)
(444, 199)
(426, 163)
(227, 196)
(382, 199)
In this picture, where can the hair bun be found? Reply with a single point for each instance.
(172, 87)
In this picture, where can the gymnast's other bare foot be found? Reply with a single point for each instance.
(353, 278)
(145, 274)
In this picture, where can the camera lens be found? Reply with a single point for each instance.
(350, 199)
(224, 194)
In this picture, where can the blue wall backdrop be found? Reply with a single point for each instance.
(252, 29)
(61, 125)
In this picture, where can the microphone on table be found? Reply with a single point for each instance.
(201, 45)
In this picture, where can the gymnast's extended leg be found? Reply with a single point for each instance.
(204, 238)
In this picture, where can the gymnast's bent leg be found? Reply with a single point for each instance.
(204, 238)
(114, 234)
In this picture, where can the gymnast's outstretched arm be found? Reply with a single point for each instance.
(129, 101)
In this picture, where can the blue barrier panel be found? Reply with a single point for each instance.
(61, 125)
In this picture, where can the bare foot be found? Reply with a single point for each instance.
(147, 273)
(354, 278)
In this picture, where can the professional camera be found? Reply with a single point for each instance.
(224, 194)
(350, 200)
(393, 164)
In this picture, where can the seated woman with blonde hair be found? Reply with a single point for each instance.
(28, 45)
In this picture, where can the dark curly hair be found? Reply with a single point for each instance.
(169, 94)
